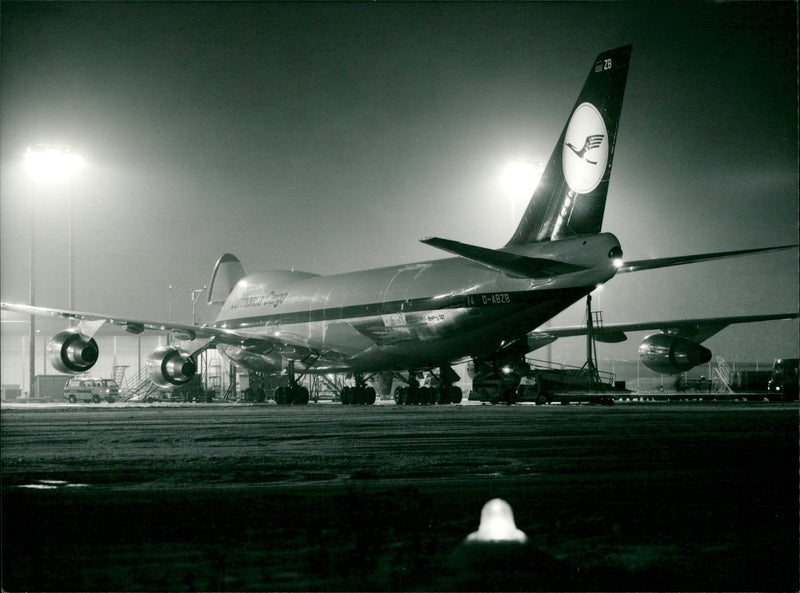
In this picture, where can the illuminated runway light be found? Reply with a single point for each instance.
(497, 524)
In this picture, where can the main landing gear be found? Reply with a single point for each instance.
(292, 394)
(444, 393)
(360, 394)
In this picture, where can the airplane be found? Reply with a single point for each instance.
(483, 304)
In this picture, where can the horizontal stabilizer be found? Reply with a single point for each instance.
(508, 263)
(664, 262)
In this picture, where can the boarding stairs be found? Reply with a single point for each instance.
(137, 387)
(723, 375)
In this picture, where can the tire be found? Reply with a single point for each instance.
(281, 396)
(456, 395)
(346, 396)
(424, 395)
(300, 396)
(95, 399)
(370, 396)
(72, 399)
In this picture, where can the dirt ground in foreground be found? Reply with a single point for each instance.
(638, 497)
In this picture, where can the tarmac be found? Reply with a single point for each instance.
(695, 496)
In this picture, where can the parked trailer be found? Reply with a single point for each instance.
(50, 387)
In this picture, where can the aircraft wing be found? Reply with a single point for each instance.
(198, 335)
(697, 330)
(664, 262)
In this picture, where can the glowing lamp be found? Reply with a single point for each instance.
(52, 162)
(521, 178)
(497, 524)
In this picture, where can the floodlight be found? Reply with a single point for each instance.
(520, 178)
(52, 162)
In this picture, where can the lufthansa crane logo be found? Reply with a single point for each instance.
(585, 153)
(593, 141)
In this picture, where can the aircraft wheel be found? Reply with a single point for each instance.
(370, 396)
(346, 395)
(282, 396)
(300, 395)
(424, 396)
(455, 394)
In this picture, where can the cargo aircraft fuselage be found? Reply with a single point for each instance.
(411, 316)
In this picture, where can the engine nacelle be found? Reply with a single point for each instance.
(169, 367)
(70, 351)
(668, 354)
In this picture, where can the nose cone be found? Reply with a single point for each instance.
(497, 524)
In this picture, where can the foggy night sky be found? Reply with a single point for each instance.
(330, 137)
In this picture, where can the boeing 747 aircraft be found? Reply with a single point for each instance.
(482, 304)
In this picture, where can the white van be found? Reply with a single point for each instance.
(91, 390)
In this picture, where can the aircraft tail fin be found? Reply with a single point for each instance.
(571, 196)
(227, 272)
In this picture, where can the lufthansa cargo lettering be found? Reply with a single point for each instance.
(259, 298)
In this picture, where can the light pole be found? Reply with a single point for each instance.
(47, 164)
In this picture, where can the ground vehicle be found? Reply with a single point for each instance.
(783, 385)
(91, 390)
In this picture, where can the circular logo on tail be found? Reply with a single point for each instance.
(585, 152)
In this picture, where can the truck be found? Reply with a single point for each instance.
(541, 383)
(783, 384)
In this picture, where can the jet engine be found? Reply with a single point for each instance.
(169, 367)
(668, 354)
(72, 352)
